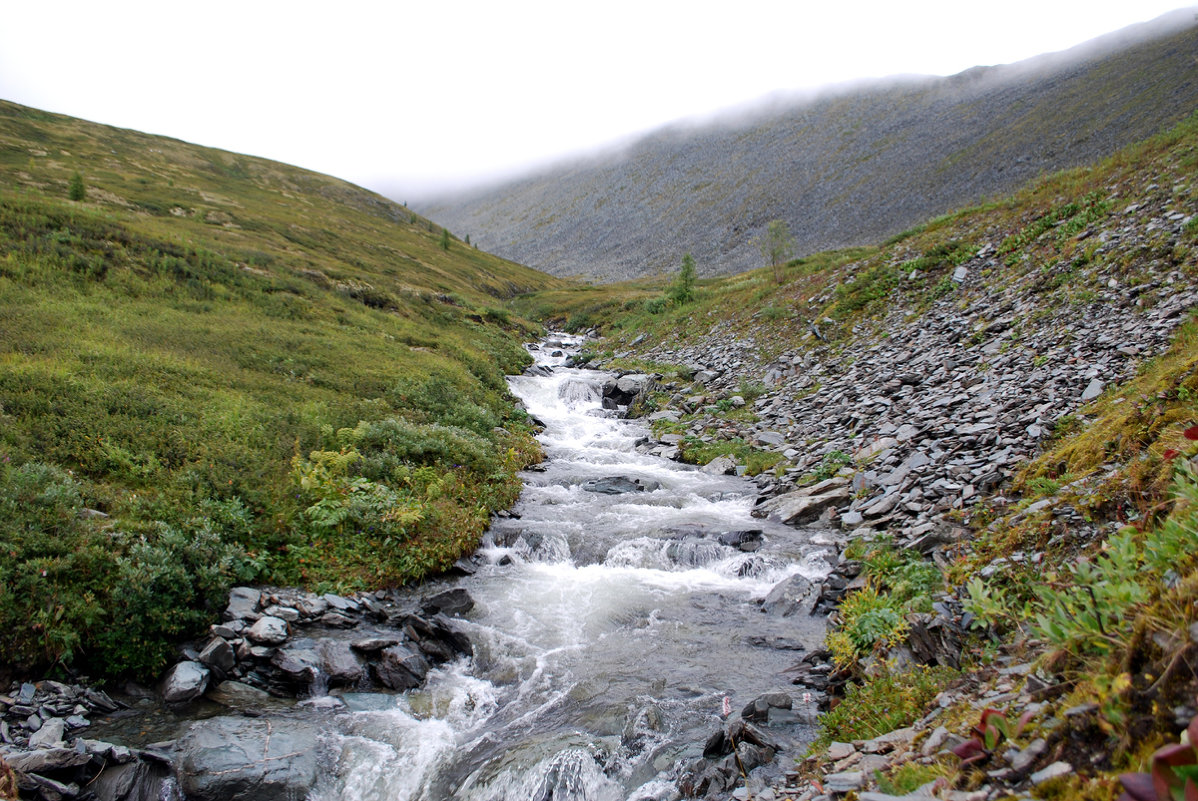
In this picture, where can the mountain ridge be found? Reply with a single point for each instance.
(842, 169)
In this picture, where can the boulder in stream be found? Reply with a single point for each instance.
(793, 596)
(748, 540)
(625, 390)
(400, 668)
(436, 637)
(248, 759)
(450, 602)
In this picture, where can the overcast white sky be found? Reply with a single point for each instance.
(410, 97)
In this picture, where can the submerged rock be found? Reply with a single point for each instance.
(748, 540)
(613, 485)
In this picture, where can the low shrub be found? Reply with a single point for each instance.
(167, 587)
(882, 704)
(656, 305)
(76, 588)
(696, 451)
(830, 465)
(867, 620)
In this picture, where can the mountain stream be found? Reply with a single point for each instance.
(607, 632)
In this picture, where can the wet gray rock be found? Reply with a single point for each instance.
(140, 780)
(758, 710)
(299, 660)
(47, 760)
(243, 603)
(401, 668)
(371, 645)
(748, 540)
(436, 637)
(218, 654)
(340, 664)
(184, 682)
(248, 759)
(796, 595)
(50, 734)
(283, 612)
(613, 485)
(626, 390)
(340, 603)
(238, 695)
(312, 606)
(450, 602)
(268, 631)
(337, 620)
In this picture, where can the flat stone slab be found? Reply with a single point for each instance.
(248, 759)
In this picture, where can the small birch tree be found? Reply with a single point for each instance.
(777, 246)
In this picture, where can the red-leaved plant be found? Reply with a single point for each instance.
(992, 730)
(1174, 775)
(1190, 433)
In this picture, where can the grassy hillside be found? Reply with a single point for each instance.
(847, 168)
(216, 368)
(1075, 574)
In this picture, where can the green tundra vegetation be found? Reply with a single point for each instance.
(217, 369)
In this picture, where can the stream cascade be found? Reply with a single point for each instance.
(607, 632)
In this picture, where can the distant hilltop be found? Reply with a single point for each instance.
(850, 166)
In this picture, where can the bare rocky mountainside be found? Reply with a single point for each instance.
(849, 167)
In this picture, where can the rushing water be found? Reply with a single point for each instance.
(608, 629)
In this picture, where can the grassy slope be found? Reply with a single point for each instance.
(1130, 457)
(253, 371)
